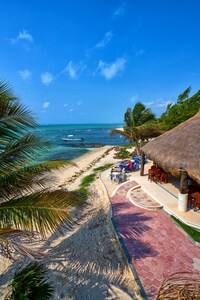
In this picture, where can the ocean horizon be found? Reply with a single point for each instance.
(91, 135)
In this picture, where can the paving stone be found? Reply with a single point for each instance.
(156, 245)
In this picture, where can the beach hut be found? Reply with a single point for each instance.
(177, 151)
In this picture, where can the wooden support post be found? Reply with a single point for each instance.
(142, 164)
(183, 194)
(183, 182)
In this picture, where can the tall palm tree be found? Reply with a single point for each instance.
(22, 210)
(140, 125)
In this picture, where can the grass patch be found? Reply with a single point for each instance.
(123, 153)
(193, 233)
(103, 168)
(128, 145)
(87, 180)
(85, 183)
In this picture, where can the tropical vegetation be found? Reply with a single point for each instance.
(30, 283)
(103, 168)
(183, 109)
(140, 125)
(85, 183)
(123, 153)
(27, 204)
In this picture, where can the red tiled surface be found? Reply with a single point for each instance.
(139, 197)
(156, 245)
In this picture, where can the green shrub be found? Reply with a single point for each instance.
(103, 168)
(128, 145)
(123, 153)
(87, 180)
(30, 283)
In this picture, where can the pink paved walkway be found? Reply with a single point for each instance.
(156, 246)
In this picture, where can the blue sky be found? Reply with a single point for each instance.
(87, 61)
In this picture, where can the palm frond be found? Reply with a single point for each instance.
(30, 283)
(149, 129)
(9, 240)
(23, 180)
(9, 232)
(20, 152)
(54, 164)
(6, 92)
(12, 112)
(182, 285)
(41, 212)
(129, 133)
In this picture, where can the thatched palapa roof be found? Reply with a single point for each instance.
(178, 148)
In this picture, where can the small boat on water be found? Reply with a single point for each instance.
(73, 139)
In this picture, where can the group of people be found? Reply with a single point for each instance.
(134, 164)
(118, 173)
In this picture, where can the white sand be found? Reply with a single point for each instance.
(86, 262)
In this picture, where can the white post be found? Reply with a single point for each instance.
(182, 202)
(183, 194)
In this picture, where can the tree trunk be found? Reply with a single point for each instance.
(142, 164)
(137, 147)
(183, 182)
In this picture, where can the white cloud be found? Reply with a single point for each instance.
(133, 99)
(25, 74)
(162, 103)
(113, 69)
(139, 52)
(65, 105)
(79, 103)
(23, 36)
(71, 109)
(73, 70)
(46, 104)
(120, 10)
(148, 103)
(107, 37)
(46, 78)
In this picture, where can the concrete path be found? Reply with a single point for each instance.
(155, 245)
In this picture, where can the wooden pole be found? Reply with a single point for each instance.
(183, 182)
(142, 164)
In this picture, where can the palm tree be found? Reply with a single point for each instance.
(140, 125)
(30, 283)
(23, 211)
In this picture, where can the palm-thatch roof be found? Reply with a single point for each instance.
(178, 148)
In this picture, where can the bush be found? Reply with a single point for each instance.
(30, 283)
(87, 180)
(103, 168)
(123, 153)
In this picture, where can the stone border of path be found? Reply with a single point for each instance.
(150, 204)
(141, 292)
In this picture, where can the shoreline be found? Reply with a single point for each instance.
(84, 163)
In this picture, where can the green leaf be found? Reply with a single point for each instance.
(41, 212)
(30, 283)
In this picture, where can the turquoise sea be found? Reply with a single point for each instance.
(93, 135)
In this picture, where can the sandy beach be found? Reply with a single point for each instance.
(86, 262)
